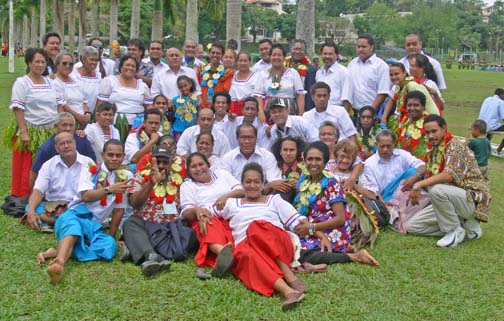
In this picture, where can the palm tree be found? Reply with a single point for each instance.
(82, 23)
(42, 17)
(305, 24)
(95, 18)
(58, 17)
(33, 27)
(114, 17)
(214, 8)
(233, 20)
(71, 25)
(135, 19)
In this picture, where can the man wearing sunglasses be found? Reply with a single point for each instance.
(105, 66)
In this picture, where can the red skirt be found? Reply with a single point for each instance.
(236, 107)
(255, 256)
(21, 167)
(218, 232)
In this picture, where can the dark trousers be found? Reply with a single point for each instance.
(136, 239)
(314, 256)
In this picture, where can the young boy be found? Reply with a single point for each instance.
(480, 145)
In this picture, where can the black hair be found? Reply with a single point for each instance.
(320, 85)
(137, 43)
(252, 167)
(499, 92)
(435, 118)
(278, 46)
(93, 39)
(322, 147)
(265, 41)
(399, 65)
(126, 57)
(188, 79)
(245, 125)
(152, 111)
(113, 142)
(218, 45)
(190, 159)
(424, 63)
(156, 41)
(106, 106)
(198, 137)
(369, 39)
(277, 147)
(48, 35)
(331, 44)
(222, 94)
(373, 114)
(415, 94)
(157, 97)
(253, 99)
(480, 125)
(31, 52)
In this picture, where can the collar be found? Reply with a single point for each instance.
(292, 167)
(394, 153)
(369, 60)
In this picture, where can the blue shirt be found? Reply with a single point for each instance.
(492, 111)
(47, 151)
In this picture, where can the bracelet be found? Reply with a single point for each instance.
(310, 229)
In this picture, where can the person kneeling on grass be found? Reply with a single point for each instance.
(99, 192)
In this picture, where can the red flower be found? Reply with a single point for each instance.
(170, 198)
(119, 198)
(302, 72)
(147, 178)
(103, 201)
(305, 60)
(93, 169)
(183, 172)
(158, 200)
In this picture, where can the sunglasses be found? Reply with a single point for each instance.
(98, 46)
(67, 63)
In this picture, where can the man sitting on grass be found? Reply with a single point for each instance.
(100, 192)
(458, 192)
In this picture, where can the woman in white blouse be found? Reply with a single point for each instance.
(130, 95)
(89, 78)
(70, 91)
(242, 85)
(103, 130)
(280, 82)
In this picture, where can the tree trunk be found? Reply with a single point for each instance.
(157, 21)
(95, 18)
(305, 24)
(58, 18)
(192, 20)
(114, 8)
(82, 24)
(42, 17)
(71, 26)
(34, 24)
(26, 32)
(135, 19)
(233, 20)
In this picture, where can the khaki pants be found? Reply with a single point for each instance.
(449, 207)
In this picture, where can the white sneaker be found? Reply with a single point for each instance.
(473, 229)
(452, 238)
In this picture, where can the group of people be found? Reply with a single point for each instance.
(276, 168)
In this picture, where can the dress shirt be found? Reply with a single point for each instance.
(492, 112)
(230, 131)
(335, 114)
(187, 141)
(369, 79)
(260, 66)
(165, 82)
(295, 126)
(378, 172)
(338, 79)
(234, 161)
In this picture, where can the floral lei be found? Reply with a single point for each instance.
(309, 190)
(401, 103)
(102, 181)
(210, 77)
(301, 66)
(167, 191)
(275, 82)
(412, 136)
(141, 135)
(292, 175)
(186, 107)
(367, 143)
(435, 156)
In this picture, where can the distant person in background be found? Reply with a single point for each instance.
(51, 43)
(105, 66)
(155, 54)
(88, 75)
(190, 59)
(492, 112)
(299, 61)
(265, 62)
(413, 45)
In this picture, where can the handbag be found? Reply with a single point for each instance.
(172, 239)
(380, 211)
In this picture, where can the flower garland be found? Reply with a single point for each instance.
(102, 181)
(211, 77)
(301, 66)
(292, 174)
(167, 191)
(186, 107)
(435, 156)
(275, 83)
(141, 135)
(309, 190)
(367, 143)
(411, 136)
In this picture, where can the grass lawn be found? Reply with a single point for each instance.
(416, 280)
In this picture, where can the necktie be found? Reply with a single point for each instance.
(102, 69)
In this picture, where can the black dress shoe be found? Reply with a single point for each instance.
(154, 264)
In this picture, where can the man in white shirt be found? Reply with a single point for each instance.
(190, 59)
(320, 93)
(248, 152)
(55, 182)
(155, 54)
(165, 81)
(99, 193)
(250, 112)
(264, 63)
(336, 76)
(369, 75)
(413, 45)
(144, 138)
(205, 123)
(289, 125)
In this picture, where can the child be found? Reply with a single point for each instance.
(480, 145)
(185, 106)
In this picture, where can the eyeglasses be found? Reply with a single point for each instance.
(67, 63)
(97, 46)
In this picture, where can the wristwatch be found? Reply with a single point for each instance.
(107, 191)
(416, 188)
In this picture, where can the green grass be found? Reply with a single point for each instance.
(416, 280)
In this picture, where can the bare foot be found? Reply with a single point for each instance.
(364, 257)
(49, 254)
(55, 271)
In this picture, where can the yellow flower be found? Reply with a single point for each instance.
(102, 177)
(177, 178)
(145, 172)
(216, 76)
(435, 169)
(177, 160)
(193, 97)
(293, 177)
(220, 68)
(159, 190)
(121, 175)
(206, 76)
(210, 84)
(315, 188)
(188, 117)
(176, 167)
(180, 110)
(302, 67)
(180, 100)
(304, 185)
(171, 190)
(415, 133)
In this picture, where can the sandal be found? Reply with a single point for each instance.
(298, 285)
(310, 268)
(292, 299)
